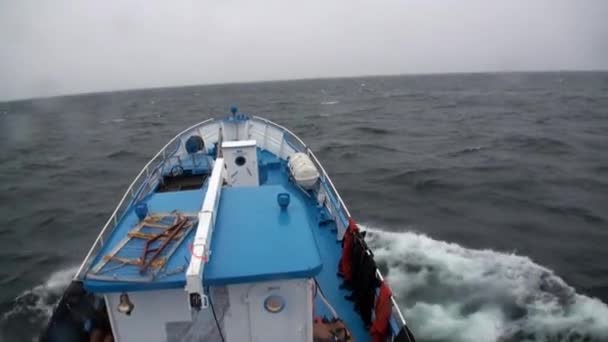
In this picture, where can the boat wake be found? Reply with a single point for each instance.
(451, 293)
(447, 293)
(28, 314)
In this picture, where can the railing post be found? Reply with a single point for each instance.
(266, 135)
(281, 146)
(99, 241)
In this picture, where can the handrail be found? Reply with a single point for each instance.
(129, 190)
(309, 151)
(162, 152)
(331, 184)
(281, 128)
(335, 192)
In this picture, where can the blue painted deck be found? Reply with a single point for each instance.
(189, 202)
(330, 284)
(329, 250)
(254, 240)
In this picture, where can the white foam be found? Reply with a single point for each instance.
(330, 102)
(40, 300)
(115, 120)
(451, 293)
(447, 293)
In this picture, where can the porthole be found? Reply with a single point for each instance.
(274, 304)
(240, 161)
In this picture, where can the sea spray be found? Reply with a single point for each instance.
(451, 293)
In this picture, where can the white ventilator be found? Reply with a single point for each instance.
(303, 170)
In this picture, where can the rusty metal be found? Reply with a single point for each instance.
(148, 236)
(170, 233)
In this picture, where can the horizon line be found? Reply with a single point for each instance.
(193, 85)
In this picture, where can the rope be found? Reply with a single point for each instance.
(324, 300)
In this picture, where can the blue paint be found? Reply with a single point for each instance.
(141, 210)
(194, 144)
(254, 240)
(323, 216)
(213, 151)
(184, 201)
(330, 252)
(334, 201)
(236, 116)
(283, 200)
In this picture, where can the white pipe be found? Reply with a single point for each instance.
(324, 300)
(268, 122)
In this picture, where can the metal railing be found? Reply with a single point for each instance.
(141, 185)
(137, 189)
(335, 193)
(307, 150)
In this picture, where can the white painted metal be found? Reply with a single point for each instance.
(327, 304)
(209, 133)
(310, 309)
(202, 239)
(265, 136)
(245, 172)
(111, 310)
(229, 130)
(247, 320)
(335, 193)
(152, 311)
(321, 197)
(214, 188)
(242, 130)
(271, 136)
(107, 228)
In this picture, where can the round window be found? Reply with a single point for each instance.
(240, 161)
(274, 304)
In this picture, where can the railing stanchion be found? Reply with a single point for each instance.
(113, 220)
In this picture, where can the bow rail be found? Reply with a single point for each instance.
(142, 183)
(146, 179)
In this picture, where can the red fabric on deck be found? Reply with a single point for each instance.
(383, 311)
(345, 267)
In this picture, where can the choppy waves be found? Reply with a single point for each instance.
(447, 293)
(34, 306)
(465, 156)
(451, 293)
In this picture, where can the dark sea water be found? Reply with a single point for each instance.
(486, 195)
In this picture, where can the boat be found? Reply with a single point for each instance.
(233, 231)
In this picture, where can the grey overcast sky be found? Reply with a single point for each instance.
(73, 46)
